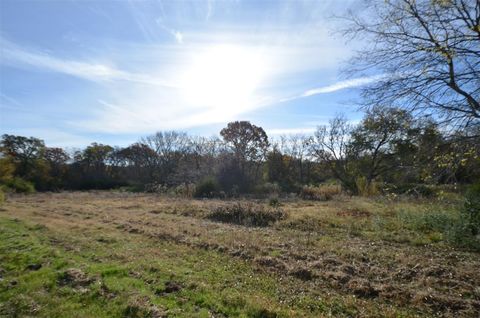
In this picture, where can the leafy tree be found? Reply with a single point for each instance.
(139, 161)
(249, 144)
(24, 152)
(57, 160)
(7, 169)
(91, 167)
(376, 138)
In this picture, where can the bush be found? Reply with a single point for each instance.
(267, 189)
(323, 192)
(155, 188)
(454, 226)
(413, 189)
(428, 221)
(247, 214)
(20, 186)
(274, 202)
(471, 209)
(184, 190)
(2, 197)
(208, 188)
(367, 189)
(459, 234)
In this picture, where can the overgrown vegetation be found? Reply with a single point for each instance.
(323, 192)
(247, 214)
(207, 188)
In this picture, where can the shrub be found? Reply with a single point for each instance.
(453, 226)
(460, 234)
(274, 202)
(428, 221)
(247, 214)
(323, 192)
(185, 190)
(471, 208)
(366, 189)
(413, 189)
(2, 197)
(267, 189)
(19, 185)
(155, 188)
(208, 188)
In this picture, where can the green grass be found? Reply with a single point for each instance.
(129, 276)
(134, 257)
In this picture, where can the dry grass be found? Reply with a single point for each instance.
(345, 257)
(323, 192)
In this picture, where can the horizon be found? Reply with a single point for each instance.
(73, 73)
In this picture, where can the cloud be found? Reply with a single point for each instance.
(141, 91)
(209, 9)
(178, 36)
(352, 83)
(54, 137)
(92, 71)
(290, 131)
(9, 102)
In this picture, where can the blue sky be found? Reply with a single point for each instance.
(74, 72)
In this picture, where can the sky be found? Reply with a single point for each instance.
(75, 72)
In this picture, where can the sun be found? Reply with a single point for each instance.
(223, 76)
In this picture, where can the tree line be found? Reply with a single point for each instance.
(427, 55)
(388, 149)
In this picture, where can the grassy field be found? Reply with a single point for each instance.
(112, 254)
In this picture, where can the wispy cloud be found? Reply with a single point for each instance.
(9, 102)
(56, 137)
(141, 72)
(93, 71)
(209, 9)
(290, 131)
(352, 83)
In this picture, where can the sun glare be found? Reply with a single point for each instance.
(223, 76)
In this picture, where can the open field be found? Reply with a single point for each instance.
(111, 254)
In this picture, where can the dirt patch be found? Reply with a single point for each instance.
(74, 277)
(326, 263)
(34, 267)
(303, 273)
(170, 287)
(338, 278)
(356, 213)
(270, 262)
(363, 288)
(142, 307)
(443, 303)
(131, 207)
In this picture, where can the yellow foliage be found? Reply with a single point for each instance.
(7, 168)
(323, 192)
(367, 189)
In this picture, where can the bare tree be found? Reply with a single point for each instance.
(428, 52)
(170, 147)
(331, 145)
